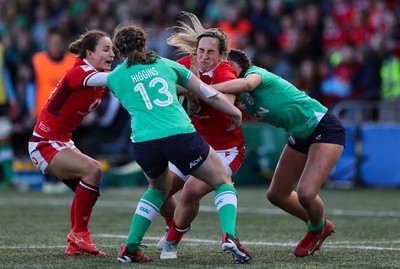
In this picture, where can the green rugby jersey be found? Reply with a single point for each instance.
(148, 93)
(279, 103)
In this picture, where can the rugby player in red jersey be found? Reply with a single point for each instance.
(79, 92)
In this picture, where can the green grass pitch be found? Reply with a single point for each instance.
(34, 226)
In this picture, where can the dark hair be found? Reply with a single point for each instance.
(220, 35)
(54, 31)
(241, 59)
(87, 41)
(130, 42)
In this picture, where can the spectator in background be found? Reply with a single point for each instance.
(338, 85)
(264, 52)
(372, 54)
(333, 36)
(8, 107)
(43, 22)
(343, 12)
(288, 40)
(309, 20)
(22, 122)
(359, 33)
(390, 75)
(49, 66)
(307, 78)
(234, 23)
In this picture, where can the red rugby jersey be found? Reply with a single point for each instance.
(69, 103)
(212, 123)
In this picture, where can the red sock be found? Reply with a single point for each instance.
(176, 233)
(72, 213)
(168, 221)
(85, 196)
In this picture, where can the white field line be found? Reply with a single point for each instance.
(372, 245)
(125, 204)
(262, 211)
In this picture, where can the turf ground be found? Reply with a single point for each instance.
(34, 226)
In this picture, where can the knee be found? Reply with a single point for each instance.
(95, 171)
(273, 197)
(305, 197)
(190, 197)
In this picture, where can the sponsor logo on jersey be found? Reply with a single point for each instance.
(249, 99)
(241, 105)
(92, 107)
(86, 68)
(260, 114)
(201, 117)
(310, 122)
(44, 128)
(35, 161)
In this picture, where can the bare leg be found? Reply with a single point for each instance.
(321, 160)
(168, 208)
(189, 203)
(284, 181)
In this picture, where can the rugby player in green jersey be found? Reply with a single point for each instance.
(316, 141)
(145, 84)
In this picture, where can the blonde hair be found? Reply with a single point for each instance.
(186, 38)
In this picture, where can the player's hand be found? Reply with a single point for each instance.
(194, 65)
(236, 121)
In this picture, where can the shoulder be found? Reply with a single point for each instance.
(258, 71)
(170, 63)
(224, 72)
(185, 61)
(79, 73)
(81, 67)
(224, 67)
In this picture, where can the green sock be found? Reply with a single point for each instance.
(146, 211)
(6, 162)
(316, 228)
(226, 203)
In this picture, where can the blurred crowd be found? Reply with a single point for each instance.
(335, 50)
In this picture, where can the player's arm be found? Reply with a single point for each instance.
(218, 101)
(230, 97)
(239, 85)
(97, 79)
(180, 90)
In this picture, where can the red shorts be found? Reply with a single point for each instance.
(42, 151)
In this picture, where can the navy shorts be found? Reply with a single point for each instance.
(185, 151)
(329, 130)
